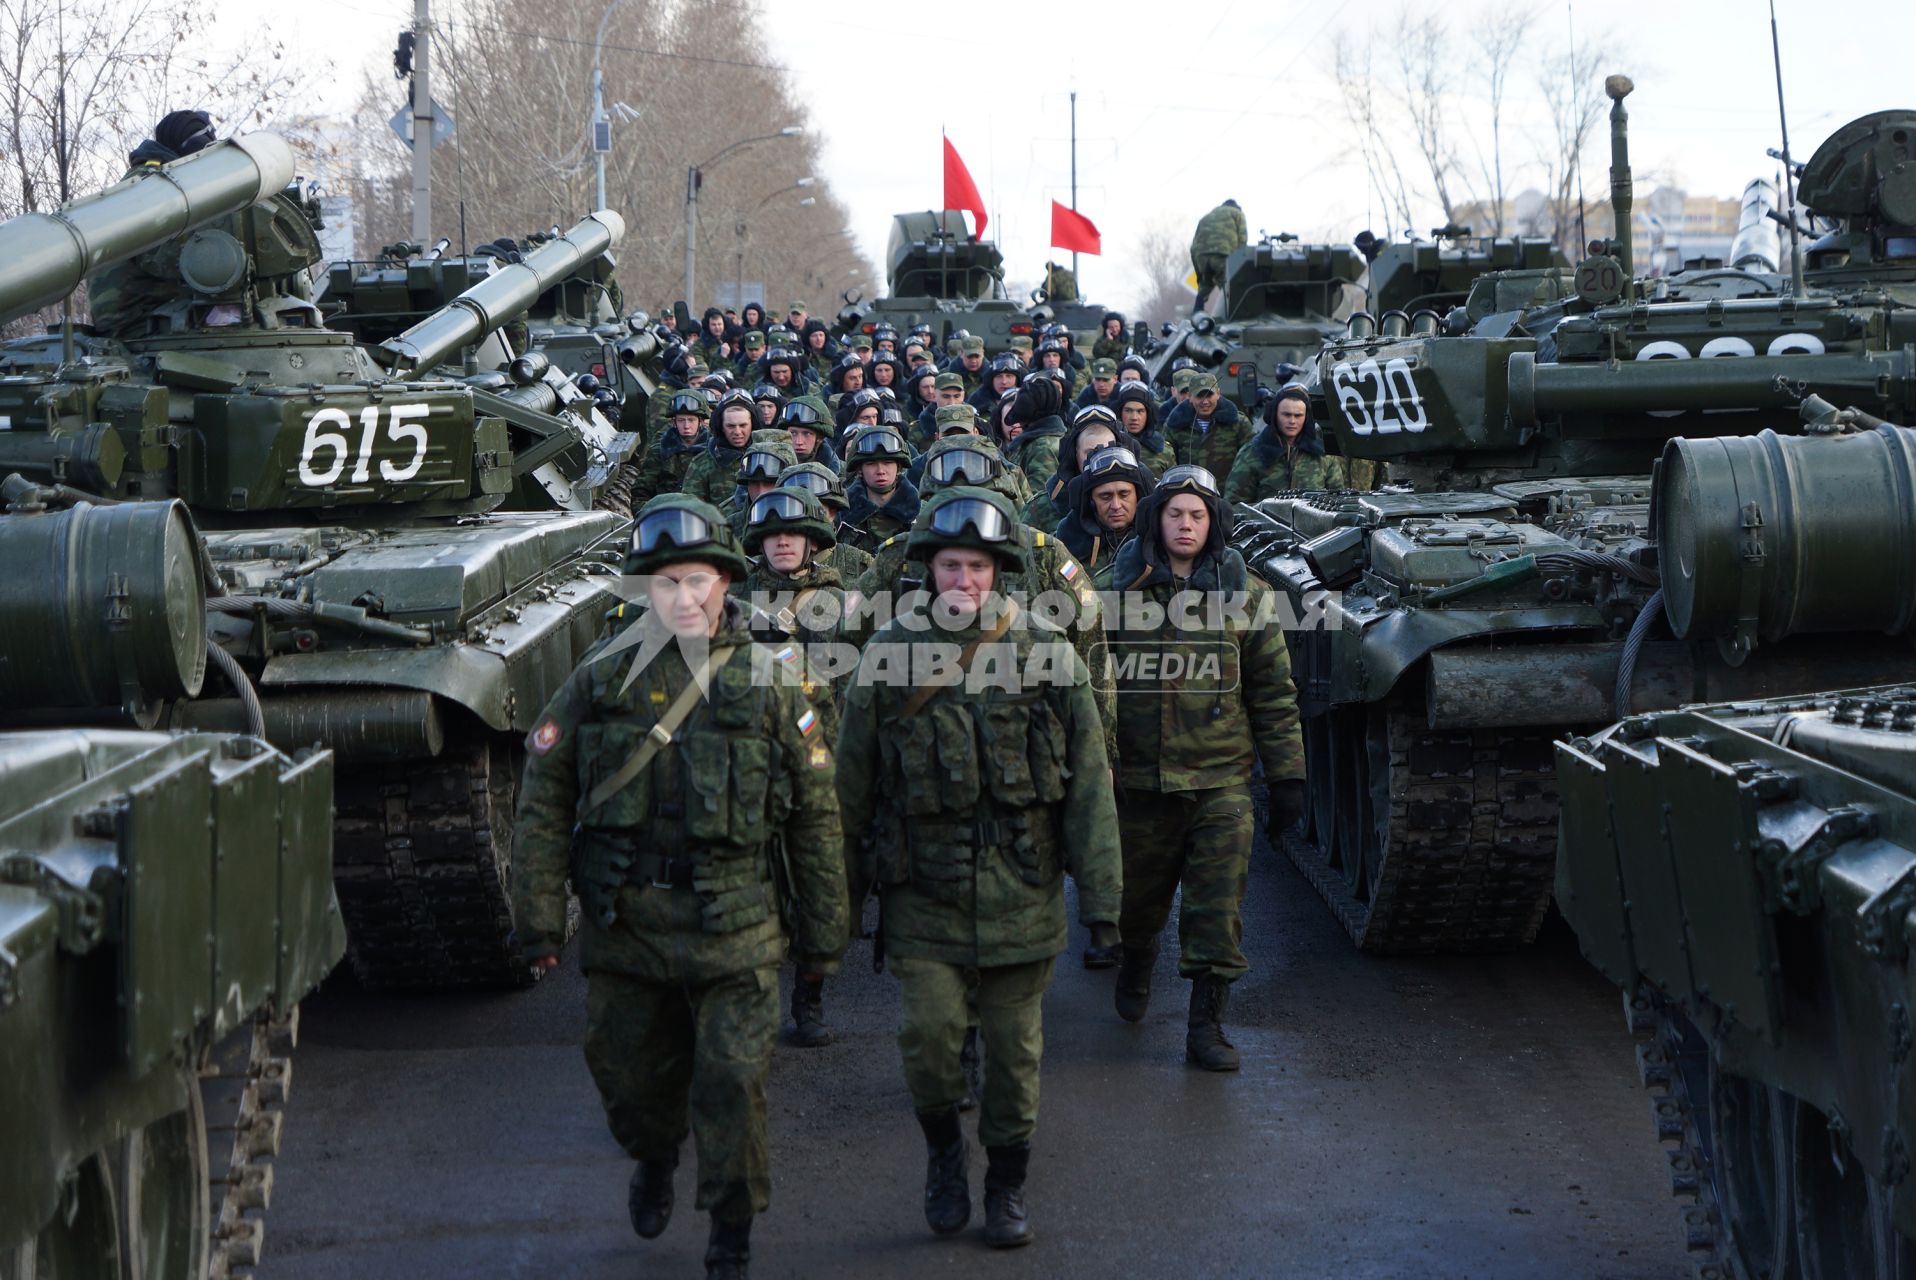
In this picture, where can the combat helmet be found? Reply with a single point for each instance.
(964, 516)
(789, 510)
(675, 527)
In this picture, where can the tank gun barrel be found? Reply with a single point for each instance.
(1753, 248)
(1871, 380)
(500, 296)
(1622, 195)
(45, 256)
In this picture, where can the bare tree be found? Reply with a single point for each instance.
(1425, 65)
(1160, 263)
(1498, 37)
(1358, 90)
(1572, 91)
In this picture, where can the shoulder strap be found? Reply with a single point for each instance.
(924, 693)
(661, 733)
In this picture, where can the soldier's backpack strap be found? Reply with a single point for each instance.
(661, 733)
(923, 693)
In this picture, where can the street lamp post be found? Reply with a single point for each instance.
(738, 228)
(598, 100)
(694, 178)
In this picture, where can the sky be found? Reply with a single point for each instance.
(1239, 100)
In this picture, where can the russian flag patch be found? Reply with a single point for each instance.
(807, 721)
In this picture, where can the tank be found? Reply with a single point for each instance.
(406, 565)
(165, 902)
(1483, 604)
(938, 273)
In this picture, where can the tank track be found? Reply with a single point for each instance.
(420, 864)
(616, 496)
(244, 1083)
(1471, 855)
(1667, 1063)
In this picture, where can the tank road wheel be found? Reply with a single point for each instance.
(160, 1174)
(422, 863)
(82, 1241)
(1751, 1142)
(1843, 1219)
(1429, 840)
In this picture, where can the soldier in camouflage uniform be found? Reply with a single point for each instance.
(1060, 283)
(1137, 411)
(759, 469)
(1091, 429)
(881, 499)
(1038, 408)
(1287, 453)
(685, 866)
(1189, 738)
(967, 804)
(671, 452)
(823, 483)
(1219, 233)
(1101, 506)
(1111, 344)
(1207, 429)
(712, 475)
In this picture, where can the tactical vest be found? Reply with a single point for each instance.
(713, 831)
(981, 778)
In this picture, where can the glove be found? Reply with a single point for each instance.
(1104, 935)
(1287, 805)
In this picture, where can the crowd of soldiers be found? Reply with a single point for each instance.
(723, 788)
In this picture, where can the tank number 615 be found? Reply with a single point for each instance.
(328, 436)
(1379, 398)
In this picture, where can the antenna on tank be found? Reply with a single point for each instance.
(1789, 169)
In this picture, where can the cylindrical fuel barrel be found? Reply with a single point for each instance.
(45, 256)
(499, 297)
(1792, 534)
(102, 606)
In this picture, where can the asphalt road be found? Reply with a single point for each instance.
(1474, 1117)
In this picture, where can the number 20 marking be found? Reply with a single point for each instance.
(1392, 404)
(400, 428)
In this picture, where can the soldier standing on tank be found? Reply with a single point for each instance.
(684, 857)
(967, 802)
(1060, 283)
(1287, 453)
(1219, 233)
(1189, 743)
(1111, 344)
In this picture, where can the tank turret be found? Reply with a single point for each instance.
(931, 255)
(1862, 183)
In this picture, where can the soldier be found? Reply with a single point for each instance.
(672, 452)
(971, 360)
(751, 349)
(759, 469)
(1111, 344)
(1091, 429)
(1036, 410)
(1137, 411)
(804, 420)
(958, 796)
(711, 344)
(816, 343)
(712, 475)
(949, 389)
(796, 317)
(121, 297)
(1189, 744)
(847, 375)
(1286, 453)
(822, 483)
(1219, 233)
(1060, 283)
(1101, 507)
(1104, 382)
(881, 499)
(684, 857)
(1001, 375)
(770, 402)
(1207, 430)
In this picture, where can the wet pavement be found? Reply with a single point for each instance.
(1466, 1117)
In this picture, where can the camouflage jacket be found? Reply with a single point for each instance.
(966, 814)
(745, 789)
(1219, 232)
(1196, 701)
(1211, 445)
(665, 464)
(1265, 468)
(852, 563)
(713, 475)
(809, 608)
(1035, 452)
(867, 524)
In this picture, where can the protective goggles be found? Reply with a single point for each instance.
(1095, 413)
(777, 506)
(986, 521)
(810, 481)
(692, 402)
(759, 465)
(1189, 476)
(1111, 458)
(674, 526)
(960, 466)
(802, 415)
(877, 441)
(864, 398)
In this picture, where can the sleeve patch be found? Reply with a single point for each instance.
(808, 721)
(820, 756)
(544, 736)
(1069, 569)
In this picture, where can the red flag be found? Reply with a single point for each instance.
(960, 191)
(1072, 230)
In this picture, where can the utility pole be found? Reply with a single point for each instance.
(422, 123)
(1074, 173)
(692, 180)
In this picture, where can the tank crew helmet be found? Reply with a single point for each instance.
(1006, 363)
(673, 528)
(884, 333)
(1115, 462)
(791, 509)
(765, 391)
(693, 402)
(818, 480)
(853, 403)
(1095, 413)
(1183, 362)
(876, 444)
(890, 415)
(184, 132)
(737, 398)
(968, 516)
(971, 460)
(1185, 478)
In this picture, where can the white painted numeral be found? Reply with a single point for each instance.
(326, 432)
(1389, 405)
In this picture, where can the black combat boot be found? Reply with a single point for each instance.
(650, 1200)
(1204, 1042)
(1133, 995)
(808, 1012)
(728, 1250)
(1005, 1223)
(1100, 957)
(947, 1188)
(972, 1065)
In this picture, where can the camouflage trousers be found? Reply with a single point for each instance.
(937, 999)
(1210, 275)
(1202, 841)
(660, 1050)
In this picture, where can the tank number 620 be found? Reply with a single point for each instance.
(1379, 398)
(328, 438)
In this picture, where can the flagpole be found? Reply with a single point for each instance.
(944, 221)
(1074, 171)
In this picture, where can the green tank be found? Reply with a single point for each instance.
(406, 565)
(165, 902)
(938, 273)
(1746, 871)
(1483, 604)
